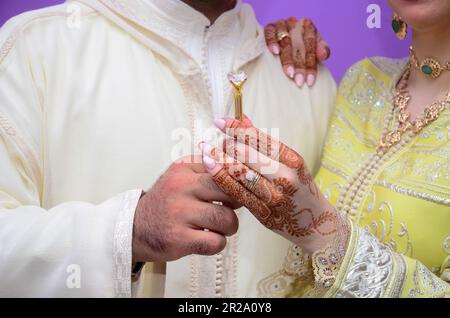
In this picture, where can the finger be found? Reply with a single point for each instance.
(323, 52)
(216, 218)
(310, 39)
(191, 162)
(263, 189)
(204, 188)
(285, 50)
(253, 159)
(298, 50)
(245, 133)
(239, 192)
(204, 243)
(261, 142)
(270, 33)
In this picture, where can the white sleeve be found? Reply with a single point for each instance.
(74, 249)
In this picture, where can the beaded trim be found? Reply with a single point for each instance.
(413, 193)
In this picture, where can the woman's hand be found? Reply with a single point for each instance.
(300, 47)
(272, 181)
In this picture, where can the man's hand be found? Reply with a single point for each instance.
(177, 217)
(300, 47)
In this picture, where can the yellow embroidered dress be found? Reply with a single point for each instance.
(398, 203)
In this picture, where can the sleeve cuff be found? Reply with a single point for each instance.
(122, 250)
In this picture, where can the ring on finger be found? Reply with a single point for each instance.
(253, 178)
(281, 35)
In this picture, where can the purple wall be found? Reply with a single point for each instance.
(342, 23)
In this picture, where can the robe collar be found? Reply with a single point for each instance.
(167, 26)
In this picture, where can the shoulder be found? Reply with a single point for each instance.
(370, 76)
(376, 68)
(42, 23)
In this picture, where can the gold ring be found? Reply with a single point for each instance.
(281, 35)
(253, 178)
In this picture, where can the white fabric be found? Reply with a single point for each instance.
(92, 110)
(211, 46)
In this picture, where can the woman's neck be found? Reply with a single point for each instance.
(432, 43)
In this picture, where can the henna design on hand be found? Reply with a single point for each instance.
(310, 39)
(293, 160)
(235, 190)
(287, 202)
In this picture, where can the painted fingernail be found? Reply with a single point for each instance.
(209, 162)
(299, 80)
(327, 52)
(206, 148)
(275, 49)
(291, 71)
(219, 123)
(222, 143)
(310, 80)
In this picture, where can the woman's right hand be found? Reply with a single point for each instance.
(273, 182)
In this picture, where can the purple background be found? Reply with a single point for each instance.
(341, 23)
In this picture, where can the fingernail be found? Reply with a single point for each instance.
(275, 49)
(219, 123)
(310, 80)
(206, 148)
(327, 52)
(291, 71)
(209, 162)
(299, 80)
(221, 143)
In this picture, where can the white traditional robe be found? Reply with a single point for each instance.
(96, 97)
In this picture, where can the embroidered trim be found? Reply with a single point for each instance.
(370, 272)
(122, 244)
(28, 153)
(193, 277)
(297, 266)
(10, 41)
(327, 261)
(413, 193)
(427, 285)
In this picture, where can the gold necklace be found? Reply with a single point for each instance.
(430, 66)
(401, 101)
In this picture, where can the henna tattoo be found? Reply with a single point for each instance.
(290, 158)
(315, 225)
(270, 33)
(285, 44)
(310, 34)
(235, 190)
(284, 186)
(274, 203)
(293, 160)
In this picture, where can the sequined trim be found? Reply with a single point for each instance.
(446, 245)
(427, 285)
(297, 266)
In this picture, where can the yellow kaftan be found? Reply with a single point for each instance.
(399, 204)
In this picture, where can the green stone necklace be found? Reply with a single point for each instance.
(429, 66)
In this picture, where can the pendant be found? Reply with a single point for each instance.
(431, 67)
